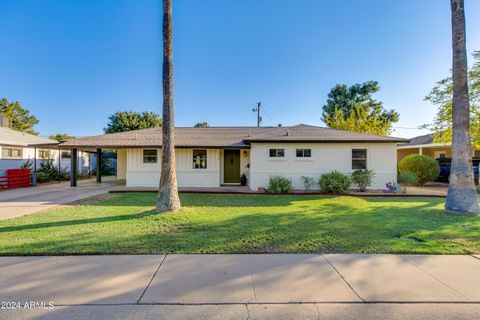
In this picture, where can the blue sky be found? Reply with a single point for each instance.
(73, 63)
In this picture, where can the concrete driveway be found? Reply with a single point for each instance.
(267, 286)
(19, 202)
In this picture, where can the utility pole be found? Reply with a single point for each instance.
(257, 110)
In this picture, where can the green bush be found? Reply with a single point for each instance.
(279, 184)
(363, 178)
(48, 172)
(425, 168)
(334, 182)
(308, 182)
(407, 178)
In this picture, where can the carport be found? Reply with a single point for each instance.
(74, 153)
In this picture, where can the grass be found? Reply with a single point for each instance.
(127, 224)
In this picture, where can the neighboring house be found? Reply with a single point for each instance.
(426, 146)
(17, 147)
(215, 156)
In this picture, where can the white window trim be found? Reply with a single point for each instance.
(368, 157)
(304, 158)
(284, 158)
(143, 157)
(11, 158)
(206, 159)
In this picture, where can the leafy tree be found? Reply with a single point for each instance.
(168, 199)
(442, 96)
(122, 121)
(201, 125)
(358, 120)
(345, 102)
(19, 117)
(61, 137)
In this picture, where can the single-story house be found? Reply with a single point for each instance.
(18, 147)
(425, 145)
(216, 156)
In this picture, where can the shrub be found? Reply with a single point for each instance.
(27, 164)
(308, 182)
(363, 178)
(425, 168)
(335, 182)
(48, 172)
(279, 184)
(407, 178)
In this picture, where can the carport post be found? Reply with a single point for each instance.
(59, 165)
(34, 174)
(73, 167)
(99, 166)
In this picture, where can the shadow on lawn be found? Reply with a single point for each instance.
(139, 199)
(333, 227)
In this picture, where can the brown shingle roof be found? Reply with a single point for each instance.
(225, 137)
(425, 139)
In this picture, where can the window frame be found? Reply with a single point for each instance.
(46, 151)
(205, 159)
(150, 156)
(437, 154)
(275, 157)
(10, 153)
(366, 158)
(62, 152)
(303, 157)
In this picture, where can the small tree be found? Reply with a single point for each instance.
(442, 96)
(201, 125)
(122, 121)
(19, 118)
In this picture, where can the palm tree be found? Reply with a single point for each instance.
(462, 196)
(168, 199)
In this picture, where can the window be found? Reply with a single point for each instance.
(66, 154)
(199, 159)
(359, 159)
(440, 154)
(477, 153)
(11, 153)
(304, 153)
(277, 153)
(44, 154)
(150, 156)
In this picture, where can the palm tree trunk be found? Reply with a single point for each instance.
(168, 199)
(462, 196)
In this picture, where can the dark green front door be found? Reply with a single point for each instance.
(231, 166)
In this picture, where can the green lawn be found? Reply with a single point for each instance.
(127, 223)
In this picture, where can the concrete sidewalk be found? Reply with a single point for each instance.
(19, 202)
(267, 286)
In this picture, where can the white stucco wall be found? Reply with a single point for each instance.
(326, 157)
(29, 153)
(148, 174)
